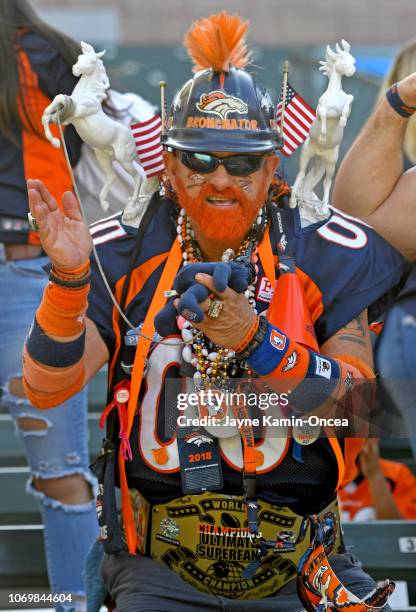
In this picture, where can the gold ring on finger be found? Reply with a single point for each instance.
(215, 308)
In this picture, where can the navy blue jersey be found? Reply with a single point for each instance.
(344, 266)
(345, 259)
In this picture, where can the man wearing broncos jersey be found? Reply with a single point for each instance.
(215, 518)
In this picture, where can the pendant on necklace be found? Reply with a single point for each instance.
(216, 412)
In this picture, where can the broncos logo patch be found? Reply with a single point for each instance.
(221, 104)
(198, 439)
(292, 360)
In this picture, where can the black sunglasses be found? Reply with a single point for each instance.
(236, 165)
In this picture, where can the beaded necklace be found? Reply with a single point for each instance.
(214, 365)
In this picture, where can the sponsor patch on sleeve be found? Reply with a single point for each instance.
(323, 367)
(278, 340)
(264, 291)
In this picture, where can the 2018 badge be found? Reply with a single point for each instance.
(199, 460)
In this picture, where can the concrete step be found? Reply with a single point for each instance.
(22, 559)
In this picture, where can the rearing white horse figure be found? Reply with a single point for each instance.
(322, 144)
(110, 140)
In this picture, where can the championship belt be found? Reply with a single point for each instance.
(205, 540)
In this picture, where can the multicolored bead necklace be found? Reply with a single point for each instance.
(214, 365)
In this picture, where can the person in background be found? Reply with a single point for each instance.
(401, 321)
(382, 489)
(374, 185)
(35, 65)
(403, 64)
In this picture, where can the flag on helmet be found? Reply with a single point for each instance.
(146, 135)
(297, 120)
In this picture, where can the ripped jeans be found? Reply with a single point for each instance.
(58, 446)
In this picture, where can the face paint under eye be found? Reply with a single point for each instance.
(244, 183)
(197, 179)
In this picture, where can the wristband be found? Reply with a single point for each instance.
(250, 345)
(319, 383)
(78, 272)
(397, 104)
(62, 310)
(50, 352)
(73, 278)
(69, 284)
(248, 337)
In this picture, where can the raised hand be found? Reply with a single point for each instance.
(64, 235)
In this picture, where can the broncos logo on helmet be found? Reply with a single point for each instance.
(219, 103)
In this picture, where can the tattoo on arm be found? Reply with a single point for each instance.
(356, 330)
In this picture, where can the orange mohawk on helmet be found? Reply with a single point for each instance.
(217, 42)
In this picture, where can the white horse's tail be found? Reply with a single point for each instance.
(46, 120)
(315, 173)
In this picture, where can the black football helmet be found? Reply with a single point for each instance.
(222, 111)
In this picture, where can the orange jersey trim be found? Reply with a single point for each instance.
(170, 270)
(267, 258)
(40, 159)
(313, 295)
(139, 277)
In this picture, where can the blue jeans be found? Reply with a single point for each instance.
(396, 362)
(58, 449)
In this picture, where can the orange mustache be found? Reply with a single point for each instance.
(227, 224)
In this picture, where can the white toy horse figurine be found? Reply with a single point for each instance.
(322, 144)
(110, 140)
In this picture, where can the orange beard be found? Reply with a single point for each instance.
(215, 223)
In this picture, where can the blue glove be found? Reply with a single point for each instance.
(165, 320)
(189, 302)
(188, 307)
(234, 274)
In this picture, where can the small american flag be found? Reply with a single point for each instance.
(146, 135)
(298, 119)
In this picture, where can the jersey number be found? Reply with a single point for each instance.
(356, 239)
(163, 456)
